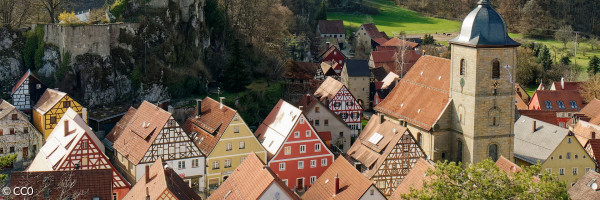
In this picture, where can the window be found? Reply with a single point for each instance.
(560, 104)
(282, 166)
(115, 196)
(561, 171)
(12, 131)
(496, 69)
(235, 118)
(14, 117)
(285, 182)
(288, 150)
(317, 122)
(227, 163)
(317, 147)
(549, 170)
(324, 162)
(302, 148)
(587, 169)
(493, 152)
(420, 139)
(181, 164)
(66, 104)
(25, 129)
(337, 104)
(569, 155)
(313, 163)
(53, 120)
(372, 191)
(26, 152)
(195, 163)
(236, 129)
(216, 165)
(317, 109)
(462, 67)
(574, 170)
(228, 146)
(573, 104)
(326, 122)
(12, 150)
(297, 134)
(242, 159)
(576, 156)
(460, 151)
(300, 164)
(349, 103)
(569, 140)
(301, 121)
(242, 145)
(313, 179)
(548, 104)
(341, 134)
(1, 150)
(307, 133)
(559, 156)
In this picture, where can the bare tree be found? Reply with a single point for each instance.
(16, 12)
(53, 7)
(591, 88)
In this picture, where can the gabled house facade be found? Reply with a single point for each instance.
(564, 102)
(370, 37)
(73, 146)
(333, 53)
(342, 181)
(148, 133)
(27, 92)
(264, 184)
(340, 100)
(331, 29)
(223, 136)
(356, 76)
(295, 151)
(51, 107)
(327, 122)
(385, 152)
(17, 134)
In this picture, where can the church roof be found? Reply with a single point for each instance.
(484, 27)
(428, 79)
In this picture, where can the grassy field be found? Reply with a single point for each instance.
(394, 19)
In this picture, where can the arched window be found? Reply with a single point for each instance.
(493, 152)
(496, 69)
(459, 153)
(462, 67)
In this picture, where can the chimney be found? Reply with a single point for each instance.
(66, 127)
(381, 118)
(147, 173)
(593, 135)
(300, 107)
(562, 83)
(327, 45)
(198, 107)
(533, 127)
(221, 101)
(307, 99)
(337, 184)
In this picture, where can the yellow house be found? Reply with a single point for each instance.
(50, 109)
(556, 148)
(223, 136)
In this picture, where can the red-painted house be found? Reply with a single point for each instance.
(564, 102)
(295, 151)
(338, 99)
(335, 54)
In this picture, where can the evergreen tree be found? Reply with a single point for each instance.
(594, 67)
(428, 39)
(235, 76)
(565, 60)
(322, 13)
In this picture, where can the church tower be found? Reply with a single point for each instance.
(481, 88)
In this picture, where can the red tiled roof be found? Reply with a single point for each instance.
(568, 85)
(373, 31)
(328, 89)
(143, 127)
(558, 95)
(118, 129)
(594, 144)
(331, 27)
(397, 42)
(414, 179)
(380, 40)
(507, 166)
(352, 184)
(582, 190)
(428, 79)
(87, 183)
(210, 125)
(331, 49)
(521, 105)
(383, 56)
(250, 180)
(161, 180)
(592, 111)
(325, 135)
(583, 131)
(547, 116)
(301, 70)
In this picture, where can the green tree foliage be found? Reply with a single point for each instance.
(594, 67)
(486, 181)
(34, 43)
(564, 35)
(65, 66)
(236, 74)
(118, 8)
(428, 39)
(565, 60)
(264, 96)
(322, 13)
(6, 161)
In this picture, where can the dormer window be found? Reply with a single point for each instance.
(573, 104)
(496, 69)
(548, 104)
(561, 104)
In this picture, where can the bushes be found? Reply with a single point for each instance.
(34, 48)
(65, 66)
(118, 8)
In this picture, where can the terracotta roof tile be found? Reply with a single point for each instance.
(352, 184)
(583, 131)
(5, 108)
(380, 40)
(591, 111)
(301, 70)
(379, 73)
(547, 116)
(582, 190)
(594, 145)
(141, 130)
(383, 56)
(414, 179)
(120, 126)
(507, 166)
(558, 95)
(238, 186)
(568, 85)
(210, 125)
(89, 183)
(50, 98)
(328, 89)
(161, 179)
(331, 27)
(397, 42)
(325, 135)
(428, 79)
(373, 31)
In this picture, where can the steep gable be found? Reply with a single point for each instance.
(208, 127)
(171, 143)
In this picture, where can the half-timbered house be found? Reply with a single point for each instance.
(27, 92)
(333, 53)
(223, 136)
(295, 151)
(51, 107)
(17, 134)
(326, 122)
(72, 145)
(385, 152)
(339, 100)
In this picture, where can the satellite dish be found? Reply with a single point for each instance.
(594, 186)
